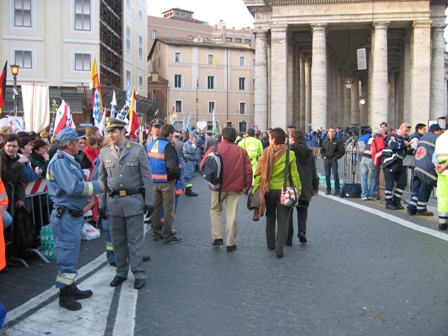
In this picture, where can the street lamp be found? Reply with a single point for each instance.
(15, 72)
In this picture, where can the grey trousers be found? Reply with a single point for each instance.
(275, 211)
(127, 235)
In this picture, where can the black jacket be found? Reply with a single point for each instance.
(332, 148)
(12, 171)
(306, 165)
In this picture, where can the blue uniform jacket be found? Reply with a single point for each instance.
(66, 184)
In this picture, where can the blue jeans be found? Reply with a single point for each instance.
(369, 173)
(331, 165)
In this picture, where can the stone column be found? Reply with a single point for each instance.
(303, 124)
(279, 76)
(319, 77)
(261, 81)
(438, 89)
(346, 118)
(292, 82)
(341, 94)
(378, 99)
(354, 107)
(406, 86)
(420, 74)
(391, 99)
(398, 112)
(307, 93)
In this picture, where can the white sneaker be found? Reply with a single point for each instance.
(364, 198)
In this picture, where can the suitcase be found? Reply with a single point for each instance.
(351, 190)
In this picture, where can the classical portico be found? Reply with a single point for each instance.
(308, 68)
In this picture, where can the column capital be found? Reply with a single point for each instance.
(439, 28)
(320, 26)
(381, 24)
(259, 32)
(279, 28)
(422, 24)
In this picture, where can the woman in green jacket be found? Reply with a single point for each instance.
(269, 179)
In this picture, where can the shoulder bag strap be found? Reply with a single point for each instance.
(286, 170)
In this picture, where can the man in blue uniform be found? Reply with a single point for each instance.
(124, 170)
(393, 155)
(71, 196)
(191, 157)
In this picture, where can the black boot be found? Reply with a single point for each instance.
(255, 218)
(189, 192)
(80, 294)
(67, 300)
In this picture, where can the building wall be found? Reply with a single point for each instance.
(195, 70)
(134, 17)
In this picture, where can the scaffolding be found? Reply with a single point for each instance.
(111, 32)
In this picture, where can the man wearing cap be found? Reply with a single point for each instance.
(126, 174)
(425, 176)
(72, 197)
(253, 147)
(154, 130)
(397, 145)
(191, 157)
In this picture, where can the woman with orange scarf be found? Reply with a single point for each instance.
(269, 178)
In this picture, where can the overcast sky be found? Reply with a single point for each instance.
(233, 12)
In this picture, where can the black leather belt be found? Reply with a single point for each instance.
(76, 213)
(123, 192)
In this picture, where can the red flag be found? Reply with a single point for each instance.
(3, 85)
(133, 117)
(61, 117)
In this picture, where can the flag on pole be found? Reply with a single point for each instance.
(134, 124)
(125, 110)
(183, 124)
(173, 116)
(63, 118)
(97, 99)
(113, 103)
(157, 112)
(189, 122)
(3, 85)
(215, 127)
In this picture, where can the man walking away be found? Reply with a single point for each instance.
(165, 171)
(236, 180)
(332, 149)
(253, 146)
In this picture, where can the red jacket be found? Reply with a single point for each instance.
(237, 170)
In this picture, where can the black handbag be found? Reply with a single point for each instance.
(24, 231)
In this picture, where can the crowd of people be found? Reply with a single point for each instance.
(125, 184)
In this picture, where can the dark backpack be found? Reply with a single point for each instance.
(24, 231)
(212, 169)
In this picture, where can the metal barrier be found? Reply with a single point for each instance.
(37, 203)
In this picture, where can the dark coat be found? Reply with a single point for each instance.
(12, 171)
(306, 165)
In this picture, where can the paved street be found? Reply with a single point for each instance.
(364, 271)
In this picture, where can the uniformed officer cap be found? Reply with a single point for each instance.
(113, 123)
(290, 126)
(193, 134)
(156, 122)
(68, 134)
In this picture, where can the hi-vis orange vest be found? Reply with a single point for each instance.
(3, 207)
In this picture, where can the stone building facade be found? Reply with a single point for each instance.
(308, 50)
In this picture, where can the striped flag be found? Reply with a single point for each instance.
(125, 110)
(97, 99)
(173, 116)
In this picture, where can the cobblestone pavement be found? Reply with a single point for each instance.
(364, 271)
